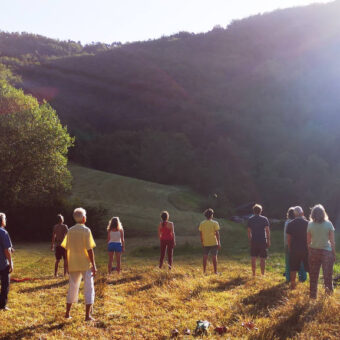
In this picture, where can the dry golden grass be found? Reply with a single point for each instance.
(147, 303)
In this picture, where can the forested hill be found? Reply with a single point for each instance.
(27, 48)
(250, 112)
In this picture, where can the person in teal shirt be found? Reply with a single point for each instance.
(320, 239)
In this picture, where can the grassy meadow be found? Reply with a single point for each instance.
(145, 302)
(138, 203)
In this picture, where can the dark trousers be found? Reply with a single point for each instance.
(4, 276)
(302, 272)
(166, 245)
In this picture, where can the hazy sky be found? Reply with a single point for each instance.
(127, 20)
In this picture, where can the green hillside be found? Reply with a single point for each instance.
(138, 203)
(250, 111)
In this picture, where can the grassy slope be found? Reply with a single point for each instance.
(138, 203)
(146, 303)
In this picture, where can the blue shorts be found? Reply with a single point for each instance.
(115, 247)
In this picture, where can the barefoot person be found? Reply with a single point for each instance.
(6, 263)
(58, 235)
(79, 245)
(116, 242)
(320, 238)
(259, 237)
(297, 244)
(210, 239)
(166, 234)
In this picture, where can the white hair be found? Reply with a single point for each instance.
(2, 218)
(298, 211)
(79, 214)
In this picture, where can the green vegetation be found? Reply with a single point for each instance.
(138, 203)
(249, 112)
(25, 48)
(33, 150)
(33, 153)
(147, 303)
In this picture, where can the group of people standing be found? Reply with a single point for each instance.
(209, 234)
(308, 246)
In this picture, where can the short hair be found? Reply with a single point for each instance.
(298, 211)
(257, 209)
(79, 214)
(60, 218)
(318, 214)
(2, 218)
(290, 213)
(164, 215)
(114, 223)
(208, 213)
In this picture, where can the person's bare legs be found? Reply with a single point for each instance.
(205, 259)
(253, 265)
(262, 265)
(214, 260)
(118, 259)
(170, 249)
(56, 268)
(68, 309)
(293, 279)
(88, 316)
(109, 265)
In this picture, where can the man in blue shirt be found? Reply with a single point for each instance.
(259, 237)
(6, 263)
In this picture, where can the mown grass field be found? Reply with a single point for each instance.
(147, 303)
(138, 203)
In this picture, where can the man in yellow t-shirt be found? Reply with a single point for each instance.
(79, 245)
(210, 238)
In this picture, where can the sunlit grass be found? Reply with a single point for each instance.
(138, 203)
(147, 303)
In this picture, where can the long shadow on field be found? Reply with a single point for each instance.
(266, 299)
(161, 281)
(125, 280)
(49, 286)
(31, 330)
(227, 285)
(291, 325)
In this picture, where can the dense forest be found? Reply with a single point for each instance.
(249, 112)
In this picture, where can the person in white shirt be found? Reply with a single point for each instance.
(115, 243)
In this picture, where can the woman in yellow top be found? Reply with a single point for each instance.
(210, 238)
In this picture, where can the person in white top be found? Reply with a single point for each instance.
(116, 243)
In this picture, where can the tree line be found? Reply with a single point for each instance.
(248, 112)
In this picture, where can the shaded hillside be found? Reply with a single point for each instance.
(249, 112)
(27, 48)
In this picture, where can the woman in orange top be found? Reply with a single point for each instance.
(166, 234)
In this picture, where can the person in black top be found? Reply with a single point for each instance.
(259, 237)
(297, 244)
